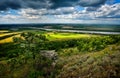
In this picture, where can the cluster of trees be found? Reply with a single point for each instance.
(27, 52)
(34, 43)
(83, 44)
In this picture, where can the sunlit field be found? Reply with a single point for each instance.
(9, 39)
(3, 31)
(5, 34)
(49, 35)
(62, 36)
(65, 35)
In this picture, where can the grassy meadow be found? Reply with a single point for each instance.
(51, 54)
(49, 35)
(6, 36)
(59, 35)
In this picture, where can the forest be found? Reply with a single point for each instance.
(52, 54)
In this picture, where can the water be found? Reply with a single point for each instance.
(81, 28)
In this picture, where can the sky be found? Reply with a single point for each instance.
(60, 11)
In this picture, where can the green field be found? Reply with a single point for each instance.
(63, 35)
(58, 35)
(49, 35)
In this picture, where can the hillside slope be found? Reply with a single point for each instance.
(102, 64)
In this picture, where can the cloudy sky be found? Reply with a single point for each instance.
(60, 11)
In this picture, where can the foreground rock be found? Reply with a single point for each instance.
(51, 54)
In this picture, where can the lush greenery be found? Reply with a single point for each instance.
(84, 56)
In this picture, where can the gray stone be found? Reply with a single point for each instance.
(51, 54)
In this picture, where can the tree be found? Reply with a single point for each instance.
(30, 41)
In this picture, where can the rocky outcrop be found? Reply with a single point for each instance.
(51, 54)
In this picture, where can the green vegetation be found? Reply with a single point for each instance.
(58, 35)
(49, 35)
(101, 64)
(42, 54)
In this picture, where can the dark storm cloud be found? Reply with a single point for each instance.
(83, 3)
(18, 4)
(50, 4)
(35, 4)
(86, 3)
(63, 3)
(5, 4)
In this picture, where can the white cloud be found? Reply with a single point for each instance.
(32, 13)
(105, 11)
(108, 11)
(65, 14)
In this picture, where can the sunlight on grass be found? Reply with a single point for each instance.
(3, 31)
(54, 36)
(5, 34)
(9, 39)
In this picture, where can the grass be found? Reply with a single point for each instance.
(102, 64)
(3, 31)
(9, 39)
(49, 35)
(58, 35)
(5, 34)
(71, 62)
